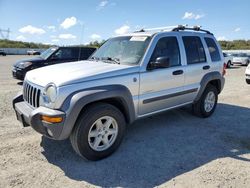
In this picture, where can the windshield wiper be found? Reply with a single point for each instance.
(114, 60)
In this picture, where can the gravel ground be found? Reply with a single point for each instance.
(172, 149)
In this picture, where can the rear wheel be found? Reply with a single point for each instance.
(98, 132)
(229, 64)
(206, 105)
(248, 81)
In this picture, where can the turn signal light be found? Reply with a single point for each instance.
(51, 119)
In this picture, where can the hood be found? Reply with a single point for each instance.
(33, 60)
(80, 71)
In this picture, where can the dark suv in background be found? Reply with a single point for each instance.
(2, 53)
(51, 56)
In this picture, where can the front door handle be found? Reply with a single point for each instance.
(178, 72)
(206, 67)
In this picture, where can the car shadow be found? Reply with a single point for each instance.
(159, 148)
(233, 67)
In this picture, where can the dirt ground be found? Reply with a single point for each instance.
(172, 149)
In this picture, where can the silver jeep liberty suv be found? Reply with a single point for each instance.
(130, 77)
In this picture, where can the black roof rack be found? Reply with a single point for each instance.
(194, 28)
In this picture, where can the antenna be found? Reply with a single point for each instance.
(81, 38)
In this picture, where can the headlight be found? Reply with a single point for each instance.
(24, 64)
(50, 93)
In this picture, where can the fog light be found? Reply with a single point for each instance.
(51, 119)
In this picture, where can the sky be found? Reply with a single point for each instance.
(73, 22)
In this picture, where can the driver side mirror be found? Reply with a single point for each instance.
(54, 57)
(160, 62)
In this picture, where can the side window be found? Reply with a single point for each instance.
(86, 52)
(167, 47)
(194, 50)
(213, 50)
(64, 53)
(75, 53)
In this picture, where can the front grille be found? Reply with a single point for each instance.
(31, 94)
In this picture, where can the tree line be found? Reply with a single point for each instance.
(235, 45)
(19, 44)
(225, 45)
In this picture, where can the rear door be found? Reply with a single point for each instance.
(197, 64)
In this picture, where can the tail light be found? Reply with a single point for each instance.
(224, 69)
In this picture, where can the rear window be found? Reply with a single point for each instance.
(213, 49)
(194, 50)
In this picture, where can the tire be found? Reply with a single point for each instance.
(247, 62)
(199, 107)
(229, 64)
(248, 81)
(81, 139)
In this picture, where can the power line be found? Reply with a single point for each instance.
(5, 33)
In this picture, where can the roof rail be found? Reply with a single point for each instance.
(175, 28)
(194, 28)
(166, 28)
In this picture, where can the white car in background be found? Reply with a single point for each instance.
(228, 59)
(248, 74)
(241, 58)
(33, 52)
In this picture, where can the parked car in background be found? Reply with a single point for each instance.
(33, 52)
(228, 59)
(51, 56)
(241, 59)
(247, 73)
(2, 53)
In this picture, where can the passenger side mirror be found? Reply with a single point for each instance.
(160, 62)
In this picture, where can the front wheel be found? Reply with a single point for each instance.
(206, 105)
(98, 131)
(248, 81)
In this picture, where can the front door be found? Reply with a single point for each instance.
(162, 88)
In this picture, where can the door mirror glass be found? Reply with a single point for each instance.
(160, 62)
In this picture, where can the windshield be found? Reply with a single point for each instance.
(122, 50)
(240, 55)
(48, 52)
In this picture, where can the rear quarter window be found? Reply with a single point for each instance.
(213, 49)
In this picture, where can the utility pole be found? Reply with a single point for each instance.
(5, 33)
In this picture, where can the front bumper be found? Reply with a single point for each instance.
(18, 73)
(246, 62)
(30, 116)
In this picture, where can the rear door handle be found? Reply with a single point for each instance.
(206, 67)
(178, 72)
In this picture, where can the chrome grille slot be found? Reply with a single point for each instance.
(31, 94)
